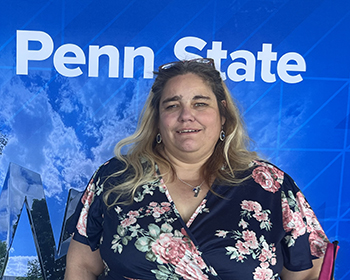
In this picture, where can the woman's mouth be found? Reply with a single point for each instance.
(188, 130)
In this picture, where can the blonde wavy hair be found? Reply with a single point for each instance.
(230, 157)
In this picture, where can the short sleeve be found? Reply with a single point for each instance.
(304, 238)
(87, 221)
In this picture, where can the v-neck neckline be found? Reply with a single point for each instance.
(170, 200)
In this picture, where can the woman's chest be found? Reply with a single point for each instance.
(225, 237)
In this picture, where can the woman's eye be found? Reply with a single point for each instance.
(200, 104)
(171, 106)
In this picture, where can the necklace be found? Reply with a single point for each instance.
(196, 189)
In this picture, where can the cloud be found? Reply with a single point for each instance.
(17, 265)
(21, 183)
(63, 129)
(39, 140)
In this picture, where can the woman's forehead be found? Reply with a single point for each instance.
(188, 84)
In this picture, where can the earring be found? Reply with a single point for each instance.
(159, 138)
(222, 134)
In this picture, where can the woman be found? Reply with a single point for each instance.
(189, 201)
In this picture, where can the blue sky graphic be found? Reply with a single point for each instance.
(64, 128)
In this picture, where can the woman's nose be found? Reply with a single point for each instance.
(186, 114)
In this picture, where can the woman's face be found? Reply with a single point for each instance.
(190, 122)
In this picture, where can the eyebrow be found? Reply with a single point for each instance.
(196, 97)
(171, 99)
(177, 98)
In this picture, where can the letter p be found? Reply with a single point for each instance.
(23, 54)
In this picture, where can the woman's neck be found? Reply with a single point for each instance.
(186, 169)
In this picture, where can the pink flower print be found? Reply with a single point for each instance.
(263, 272)
(317, 238)
(190, 245)
(304, 207)
(250, 239)
(153, 204)
(118, 209)
(301, 199)
(277, 173)
(287, 216)
(242, 223)
(251, 206)
(268, 177)
(193, 249)
(197, 258)
(180, 252)
(221, 233)
(318, 243)
(265, 255)
(184, 232)
(169, 249)
(299, 225)
(197, 212)
(157, 212)
(166, 206)
(308, 213)
(128, 221)
(86, 200)
(246, 205)
(260, 216)
(133, 214)
(312, 222)
(293, 221)
(264, 265)
(189, 269)
(166, 209)
(162, 186)
(243, 248)
(89, 194)
(81, 225)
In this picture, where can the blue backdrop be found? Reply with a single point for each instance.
(63, 108)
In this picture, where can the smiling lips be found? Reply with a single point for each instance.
(188, 130)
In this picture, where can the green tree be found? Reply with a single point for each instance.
(34, 271)
(3, 253)
(3, 142)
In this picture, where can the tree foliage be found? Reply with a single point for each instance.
(33, 272)
(3, 142)
(3, 253)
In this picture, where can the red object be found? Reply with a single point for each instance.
(327, 269)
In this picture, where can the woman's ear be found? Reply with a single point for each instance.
(223, 119)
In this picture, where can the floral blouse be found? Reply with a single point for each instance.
(249, 231)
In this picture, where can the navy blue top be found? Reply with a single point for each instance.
(250, 231)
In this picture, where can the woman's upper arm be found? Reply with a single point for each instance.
(82, 262)
(309, 274)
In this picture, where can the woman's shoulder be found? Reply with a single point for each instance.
(112, 169)
(260, 164)
(112, 165)
(270, 177)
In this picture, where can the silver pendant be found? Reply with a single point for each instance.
(196, 190)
